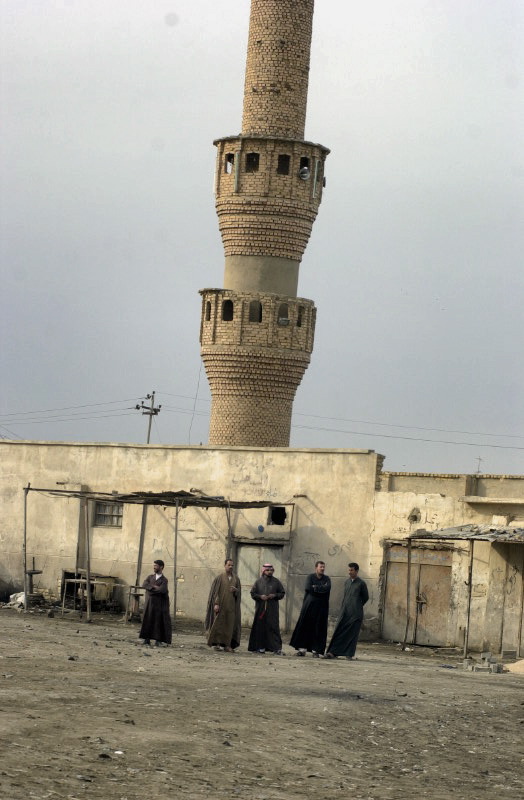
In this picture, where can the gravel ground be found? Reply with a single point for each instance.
(86, 712)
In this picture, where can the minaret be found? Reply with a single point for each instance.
(256, 335)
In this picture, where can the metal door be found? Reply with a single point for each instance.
(250, 558)
(432, 599)
(430, 593)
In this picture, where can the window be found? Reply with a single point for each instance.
(304, 171)
(283, 164)
(300, 316)
(252, 162)
(227, 310)
(228, 164)
(208, 311)
(283, 314)
(277, 515)
(109, 514)
(255, 311)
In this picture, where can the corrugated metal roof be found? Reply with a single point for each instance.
(182, 499)
(483, 533)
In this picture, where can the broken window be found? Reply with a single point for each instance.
(283, 314)
(252, 162)
(109, 514)
(229, 161)
(283, 164)
(227, 310)
(277, 515)
(304, 171)
(255, 311)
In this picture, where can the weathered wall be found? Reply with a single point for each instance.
(329, 491)
(407, 502)
(339, 509)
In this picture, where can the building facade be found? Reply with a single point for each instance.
(333, 505)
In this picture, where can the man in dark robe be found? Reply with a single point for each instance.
(223, 610)
(156, 623)
(345, 636)
(310, 632)
(267, 592)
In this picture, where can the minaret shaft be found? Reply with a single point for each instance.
(256, 335)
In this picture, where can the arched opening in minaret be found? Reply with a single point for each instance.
(228, 163)
(252, 162)
(283, 314)
(208, 311)
(227, 310)
(255, 311)
(300, 316)
(283, 164)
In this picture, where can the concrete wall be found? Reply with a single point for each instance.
(330, 493)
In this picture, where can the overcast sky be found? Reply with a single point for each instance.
(109, 230)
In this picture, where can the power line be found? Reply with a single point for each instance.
(409, 438)
(67, 408)
(411, 427)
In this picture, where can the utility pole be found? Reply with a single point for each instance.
(149, 411)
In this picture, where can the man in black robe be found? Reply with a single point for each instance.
(267, 592)
(310, 632)
(156, 623)
(345, 636)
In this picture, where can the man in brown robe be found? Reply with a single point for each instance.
(156, 623)
(223, 610)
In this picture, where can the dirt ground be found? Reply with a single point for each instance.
(86, 712)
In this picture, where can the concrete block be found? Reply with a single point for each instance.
(509, 655)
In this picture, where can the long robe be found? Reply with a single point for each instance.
(311, 629)
(265, 631)
(345, 636)
(156, 623)
(224, 628)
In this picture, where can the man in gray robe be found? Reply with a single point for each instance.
(223, 610)
(310, 632)
(156, 623)
(267, 592)
(345, 636)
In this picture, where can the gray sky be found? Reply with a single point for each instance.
(415, 261)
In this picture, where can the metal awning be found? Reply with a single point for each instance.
(180, 499)
(479, 533)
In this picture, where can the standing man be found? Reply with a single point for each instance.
(345, 635)
(311, 629)
(223, 610)
(156, 623)
(267, 591)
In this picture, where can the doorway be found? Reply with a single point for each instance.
(430, 594)
(250, 558)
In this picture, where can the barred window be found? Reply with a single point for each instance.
(109, 514)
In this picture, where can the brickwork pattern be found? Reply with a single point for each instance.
(277, 67)
(265, 212)
(252, 394)
(286, 322)
(268, 187)
(254, 367)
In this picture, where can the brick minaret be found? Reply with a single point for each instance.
(256, 335)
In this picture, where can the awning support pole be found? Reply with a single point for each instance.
(26, 582)
(470, 581)
(408, 596)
